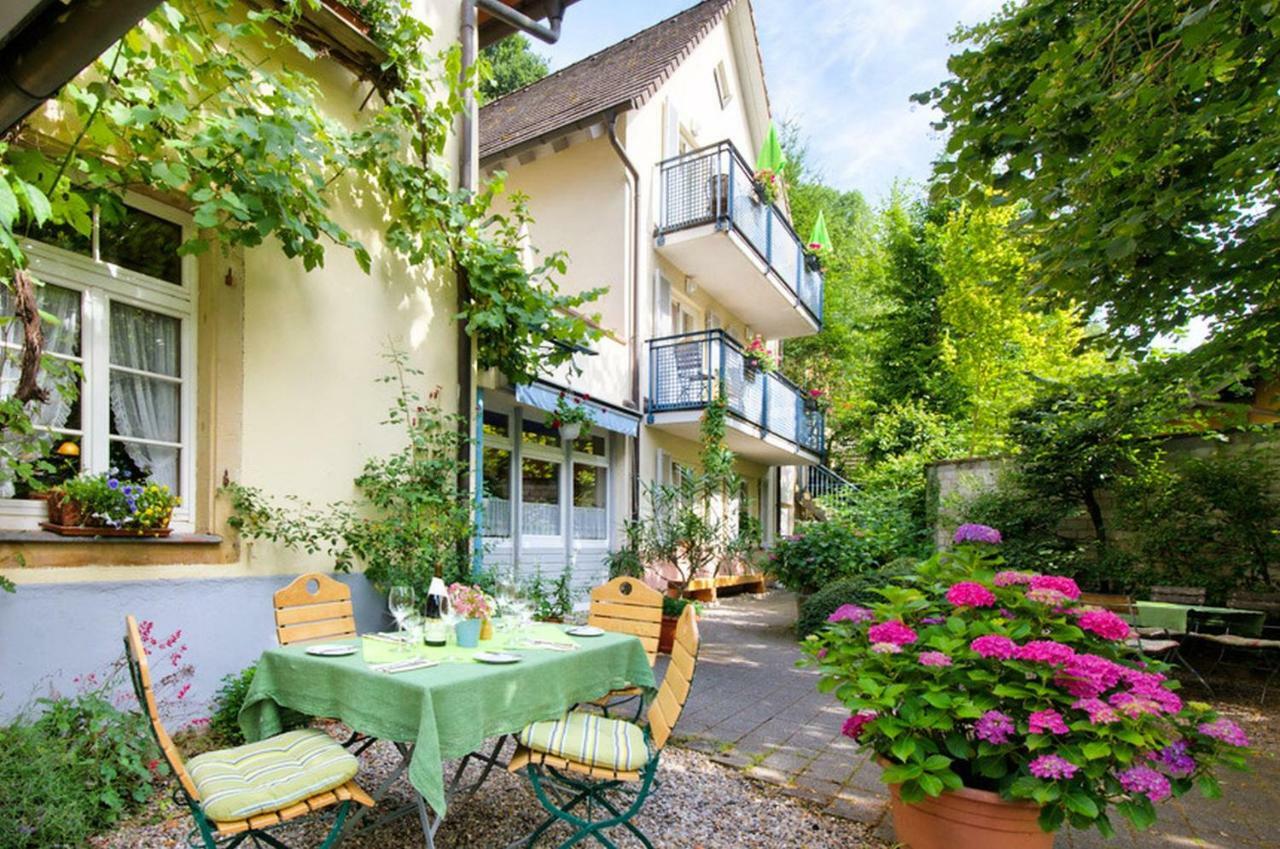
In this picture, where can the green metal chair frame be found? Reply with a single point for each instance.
(561, 791)
(206, 834)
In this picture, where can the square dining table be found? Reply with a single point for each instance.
(448, 710)
(1173, 617)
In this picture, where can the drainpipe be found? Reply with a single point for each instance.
(635, 301)
(550, 34)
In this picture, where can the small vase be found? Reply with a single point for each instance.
(468, 631)
(486, 629)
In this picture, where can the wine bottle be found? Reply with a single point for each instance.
(436, 631)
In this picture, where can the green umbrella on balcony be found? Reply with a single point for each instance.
(819, 241)
(771, 157)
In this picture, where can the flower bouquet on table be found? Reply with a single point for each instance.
(569, 417)
(475, 608)
(991, 686)
(756, 357)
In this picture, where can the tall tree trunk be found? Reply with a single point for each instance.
(1095, 516)
(28, 313)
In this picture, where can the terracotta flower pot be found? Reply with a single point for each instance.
(64, 511)
(967, 819)
(667, 635)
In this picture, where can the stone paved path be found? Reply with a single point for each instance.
(752, 709)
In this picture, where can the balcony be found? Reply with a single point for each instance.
(742, 251)
(768, 422)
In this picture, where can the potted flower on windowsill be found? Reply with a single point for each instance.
(110, 504)
(758, 358)
(1001, 707)
(569, 417)
(474, 607)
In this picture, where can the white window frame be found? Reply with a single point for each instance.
(599, 461)
(99, 284)
(723, 91)
(503, 443)
(547, 454)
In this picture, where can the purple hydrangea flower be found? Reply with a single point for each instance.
(1145, 781)
(1052, 767)
(1100, 713)
(1066, 586)
(935, 658)
(1104, 623)
(976, 533)
(1176, 759)
(1226, 731)
(1009, 577)
(851, 613)
(994, 727)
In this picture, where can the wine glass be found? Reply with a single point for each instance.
(506, 594)
(400, 601)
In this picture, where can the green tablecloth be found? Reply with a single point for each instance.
(447, 710)
(1173, 617)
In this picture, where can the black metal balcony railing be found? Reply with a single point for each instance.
(714, 185)
(686, 371)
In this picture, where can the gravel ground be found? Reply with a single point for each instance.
(699, 805)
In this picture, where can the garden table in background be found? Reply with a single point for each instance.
(441, 712)
(1173, 617)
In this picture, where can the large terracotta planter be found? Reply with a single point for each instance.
(967, 819)
(667, 634)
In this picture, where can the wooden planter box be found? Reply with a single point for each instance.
(94, 531)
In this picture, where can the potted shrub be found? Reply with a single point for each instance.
(818, 554)
(1001, 707)
(671, 610)
(474, 607)
(813, 256)
(554, 602)
(568, 417)
(756, 357)
(816, 401)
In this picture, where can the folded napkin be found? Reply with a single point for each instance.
(404, 665)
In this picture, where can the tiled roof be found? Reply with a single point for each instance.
(624, 75)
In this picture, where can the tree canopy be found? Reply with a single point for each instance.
(511, 64)
(1140, 141)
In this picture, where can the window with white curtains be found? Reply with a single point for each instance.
(120, 308)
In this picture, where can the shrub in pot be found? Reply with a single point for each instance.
(1001, 707)
(671, 610)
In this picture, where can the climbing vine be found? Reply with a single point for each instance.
(218, 105)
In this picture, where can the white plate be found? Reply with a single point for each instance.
(585, 631)
(333, 650)
(497, 657)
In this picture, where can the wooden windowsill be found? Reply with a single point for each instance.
(31, 537)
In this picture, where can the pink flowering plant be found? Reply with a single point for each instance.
(972, 674)
(470, 602)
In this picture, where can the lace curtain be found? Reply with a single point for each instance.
(144, 406)
(60, 337)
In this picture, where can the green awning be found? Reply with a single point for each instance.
(771, 157)
(819, 240)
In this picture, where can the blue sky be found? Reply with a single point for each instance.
(842, 69)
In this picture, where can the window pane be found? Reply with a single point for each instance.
(496, 424)
(589, 444)
(145, 340)
(63, 236)
(537, 433)
(540, 491)
(590, 517)
(143, 462)
(497, 492)
(145, 407)
(60, 337)
(141, 242)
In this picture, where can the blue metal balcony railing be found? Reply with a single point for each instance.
(714, 185)
(685, 371)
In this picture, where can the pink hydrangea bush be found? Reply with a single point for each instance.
(970, 674)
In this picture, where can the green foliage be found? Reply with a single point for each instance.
(224, 721)
(509, 65)
(118, 502)
(78, 769)
(859, 589)
(626, 561)
(1028, 523)
(674, 607)
(413, 518)
(1221, 509)
(819, 553)
(1133, 134)
(925, 716)
(552, 599)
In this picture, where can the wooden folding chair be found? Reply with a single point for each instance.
(568, 769)
(627, 606)
(313, 607)
(286, 804)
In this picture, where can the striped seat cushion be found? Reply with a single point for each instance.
(590, 739)
(270, 774)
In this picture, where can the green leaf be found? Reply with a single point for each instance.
(903, 748)
(1096, 749)
(8, 204)
(1081, 804)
